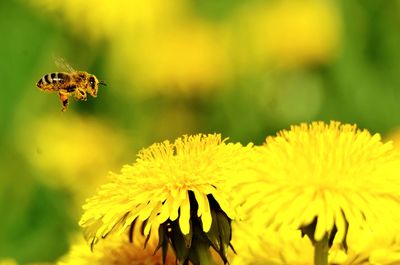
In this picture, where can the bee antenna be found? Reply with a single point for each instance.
(102, 83)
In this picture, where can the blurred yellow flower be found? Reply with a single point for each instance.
(379, 246)
(288, 33)
(394, 136)
(72, 152)
(189, 58)
(8, 262)
(95, 20)
(117, 250)
(287, 246)
(322, 178)
(182, 189)
(258, 245)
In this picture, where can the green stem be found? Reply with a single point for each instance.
(321, 249)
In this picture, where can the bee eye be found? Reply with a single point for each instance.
(91, 82)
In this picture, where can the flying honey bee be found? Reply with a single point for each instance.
(71, 82)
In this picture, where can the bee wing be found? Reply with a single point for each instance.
(62, 64)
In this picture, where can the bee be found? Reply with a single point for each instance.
(70, 83)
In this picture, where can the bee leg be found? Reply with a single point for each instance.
(64, 100)
(80, 94)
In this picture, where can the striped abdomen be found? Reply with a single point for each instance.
(53, 81)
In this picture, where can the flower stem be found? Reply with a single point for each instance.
(321, 251)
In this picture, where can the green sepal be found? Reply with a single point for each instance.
(178, 242)
(188, 238)
(162, 241)
(213, 234)
(309, 231)
(225, 234)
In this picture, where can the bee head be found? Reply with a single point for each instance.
(93, 86)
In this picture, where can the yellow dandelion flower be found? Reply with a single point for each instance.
(182, 190)
(322, 178)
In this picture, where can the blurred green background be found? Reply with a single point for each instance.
(241, 68)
